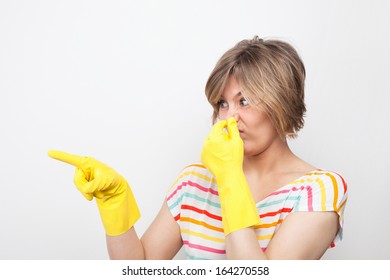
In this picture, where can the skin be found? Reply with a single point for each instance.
(268, 165)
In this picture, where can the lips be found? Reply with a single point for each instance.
(240, 130)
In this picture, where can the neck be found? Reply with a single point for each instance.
(272, 160)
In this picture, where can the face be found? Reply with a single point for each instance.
(254, 125)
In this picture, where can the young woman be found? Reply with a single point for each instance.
(252, 197)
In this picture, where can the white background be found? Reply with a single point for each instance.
(123, 81)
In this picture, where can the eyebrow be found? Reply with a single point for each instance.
(238, 94)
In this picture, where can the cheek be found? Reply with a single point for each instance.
(257, 143)
(260, 133)
(222, 115)
(255, 122)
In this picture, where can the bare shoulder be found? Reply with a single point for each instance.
(301, 167)
(293, 170)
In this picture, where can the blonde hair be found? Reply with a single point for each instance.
(272, 77)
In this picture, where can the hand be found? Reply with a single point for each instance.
(223, 154)
(223, 149)
(93, 178)
(117, 206)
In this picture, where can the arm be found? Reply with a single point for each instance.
(119, 211)
(162, 240)
(126, 246)
(302, 235)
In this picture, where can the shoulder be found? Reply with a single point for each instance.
(195, 167)
(194, 183)
(324, 178)
(196, 172)
(322, 189)
(329, 179)
(190, 175)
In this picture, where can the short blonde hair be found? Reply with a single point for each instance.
(272, 77)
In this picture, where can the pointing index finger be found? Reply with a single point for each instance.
(74, 160)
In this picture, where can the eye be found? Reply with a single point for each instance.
(244, 102)
(222, 104)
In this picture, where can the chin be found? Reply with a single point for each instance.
(248, 152)
(251, 151)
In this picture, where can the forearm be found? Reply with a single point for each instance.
(126, 246)
(243, 244)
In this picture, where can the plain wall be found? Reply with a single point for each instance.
(123, 81)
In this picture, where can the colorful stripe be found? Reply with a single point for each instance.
(194, 203)
(201, 211)
(202, 235)
(203, 248)
(201, 223)
(192, 184)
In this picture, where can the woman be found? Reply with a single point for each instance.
(252, 197)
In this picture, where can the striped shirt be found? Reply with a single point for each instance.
(194, 203)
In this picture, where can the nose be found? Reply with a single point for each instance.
(233, 112)
(236, 116)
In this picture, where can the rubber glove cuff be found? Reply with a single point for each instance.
(237, 205)
(118, 213)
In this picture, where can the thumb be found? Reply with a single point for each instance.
(80, 181)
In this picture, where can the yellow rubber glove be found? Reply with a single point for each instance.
(223, 154)
(117, 206)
